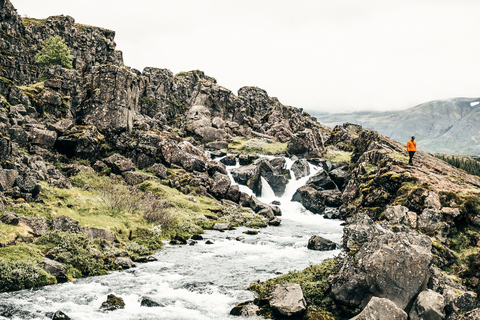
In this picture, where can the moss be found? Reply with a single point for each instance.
(312, 280)
(257, 146)
(29, 21)
(148, 101)
(6, 81)
(401, 157)
(337, 156)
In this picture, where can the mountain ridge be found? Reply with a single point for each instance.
(440, 126)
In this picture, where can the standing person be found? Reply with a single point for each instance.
(411, 148)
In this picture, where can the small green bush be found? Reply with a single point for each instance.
(22, 274)
(54, 52)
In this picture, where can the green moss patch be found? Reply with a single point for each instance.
(257, 146)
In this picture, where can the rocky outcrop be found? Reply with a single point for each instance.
(381, 309)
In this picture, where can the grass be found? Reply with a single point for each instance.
(399, 156)
(312, 280)
(28, 21)
(257, 146)
(337, 156)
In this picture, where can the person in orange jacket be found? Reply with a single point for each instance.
(411, 148)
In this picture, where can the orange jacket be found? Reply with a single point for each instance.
(411, 145)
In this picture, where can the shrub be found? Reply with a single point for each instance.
(22, 274)
(54, 52)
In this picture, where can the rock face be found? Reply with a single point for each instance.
(428, 305)
(287, 300)
(388, 265)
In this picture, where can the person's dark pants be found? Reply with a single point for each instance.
(411, 153)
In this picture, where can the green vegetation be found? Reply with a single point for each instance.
(23, 274)
(396, 155)
(462, 162)
(54, 52)
(28, 21)
(337, 156)
(312, 280)
(257, 146)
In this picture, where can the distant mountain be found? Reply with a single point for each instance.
(443, 126)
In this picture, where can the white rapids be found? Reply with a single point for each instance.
(201, 282)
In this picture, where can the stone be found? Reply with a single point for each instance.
(62, 126)
(221, 185)
(339, 176)
(246, 309)
(275, 222)
(27, 184)
(321, 244)
(119, 163)
(56, 269)
(75, 168)
(229, 160)
(149, 302)
(309, 198)
(66, 224)
(429, 305)
(300, 168)
(432, 201)
(123, 262)
(386, 264)
(430, 220)
(395, 214)
(36, 226)
(112, 303)
(133, 178)
(159, 170)
(248, 175)
(59, 315)
(43, 138)
(381, 309)
(215, 166)
(287, 300)
(9, 218)
(222, 226)
(305, 143)
(321, 181)
(7, 179)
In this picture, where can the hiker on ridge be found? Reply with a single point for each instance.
(411, 148)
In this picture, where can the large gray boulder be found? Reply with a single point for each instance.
(321, 244)
(66, 224)
(248, 175)
(429, 305)
(321, 181)
(381, 309)
(390, 265)
(56, 269)
(9, 218)
(221, 185)
(430, 220)
(7, 179)
(287, 300)
(310, 199)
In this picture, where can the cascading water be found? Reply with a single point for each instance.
(191, 282)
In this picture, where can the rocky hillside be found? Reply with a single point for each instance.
(101, 162)
(443, 126)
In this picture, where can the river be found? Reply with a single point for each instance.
(200, 282)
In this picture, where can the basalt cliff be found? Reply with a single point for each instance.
(410, 240)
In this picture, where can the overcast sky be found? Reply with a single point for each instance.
(324, 55)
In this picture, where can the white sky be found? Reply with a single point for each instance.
(324, 55)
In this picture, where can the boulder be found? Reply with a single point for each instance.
(304, 143)
(43, 138)
(112, 303)
(183, 154)
(246, 159)
(381, 309)
(321, 181)
(66, 224)
(119, 163)
(248, 175)
(27, 184)
(430, 220)
(9, 218)
(300, 168)
(36, 226)
(221, 185)
(149, 302)
(229, 160)
(222, 226)
(395, 214)
(274, 175)
(59, 315)
(275, 222)
(62, 126)
(56, 269)
(389, 265)
(248, 309)
(76, 168)
(133, 178)
(123, 262)
(287, 300)
(159, 170)
(309, 198)
(339, 176)
(7, 179)
(429, 305)
(321, 244)
(331, 198)
(215, 166)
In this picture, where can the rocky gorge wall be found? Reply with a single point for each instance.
(411, 231)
